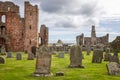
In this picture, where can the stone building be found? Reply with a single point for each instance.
(16, 33)
(93, 40)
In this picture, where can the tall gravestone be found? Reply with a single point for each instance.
(97, 54)
(76, 57)
(2, 60)
(43, 62)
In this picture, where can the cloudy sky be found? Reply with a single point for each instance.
(68, 18)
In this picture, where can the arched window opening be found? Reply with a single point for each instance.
(3, 19)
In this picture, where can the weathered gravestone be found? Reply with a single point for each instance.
(76, 57)
(61, 55)
(88, 50)
(18, 56)
(2, 60)
(30, 56)
(97, 54)
(113, 68)
(107, 55)
(9, 55)
(3, 51)
(43, 62)
(33, 50)
(114, 58)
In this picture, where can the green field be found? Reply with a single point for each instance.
(23, 69)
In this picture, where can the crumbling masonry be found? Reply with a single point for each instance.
(16, 33)
(93, 40)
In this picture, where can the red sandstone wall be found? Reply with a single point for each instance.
(31, 26)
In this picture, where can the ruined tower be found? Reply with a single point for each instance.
(31, 26)
(43, 35)
(93, 36)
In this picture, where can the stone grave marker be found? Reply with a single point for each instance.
(61, 55)
(30, 56)
(97, 56)
(76, 57)
(9, 55)
(18, 56)
(107, 55)
(2, 60)
(114, 58)
(3, 51)
(113, 68)
(43, 62)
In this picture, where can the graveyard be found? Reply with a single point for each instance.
(24, 69)
(28, 50)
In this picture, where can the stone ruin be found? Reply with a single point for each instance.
(93, 40)
(107, 55)
(17, 33)
(43, 35)
(76, 57)
(113, 68)
(43, 62)
(97, 54)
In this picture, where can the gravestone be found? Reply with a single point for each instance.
(30, 56)
(97, 54)
(9, 55)
(88, 50)
(33, 50)
(2, 60)
(113, 68)
(61, 55)
(107, 55)
(18, 56)
(3, 51)
(59, 73)
(114, 58)
(43, 62)
(76, 57)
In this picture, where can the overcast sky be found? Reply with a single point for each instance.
(68, 18)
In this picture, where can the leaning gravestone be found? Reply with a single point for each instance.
(2, 60)
(76, 57)
(43, 62)
(30, 56)
(97, 54)
(9, 55)
(113, 68)
(107, 55)
(88, 50)
(61, 55)
(18, 56)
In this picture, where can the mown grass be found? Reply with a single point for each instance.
(23, 69)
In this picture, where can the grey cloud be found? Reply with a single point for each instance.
(69, 7)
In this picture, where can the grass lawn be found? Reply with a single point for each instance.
(23, 69)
